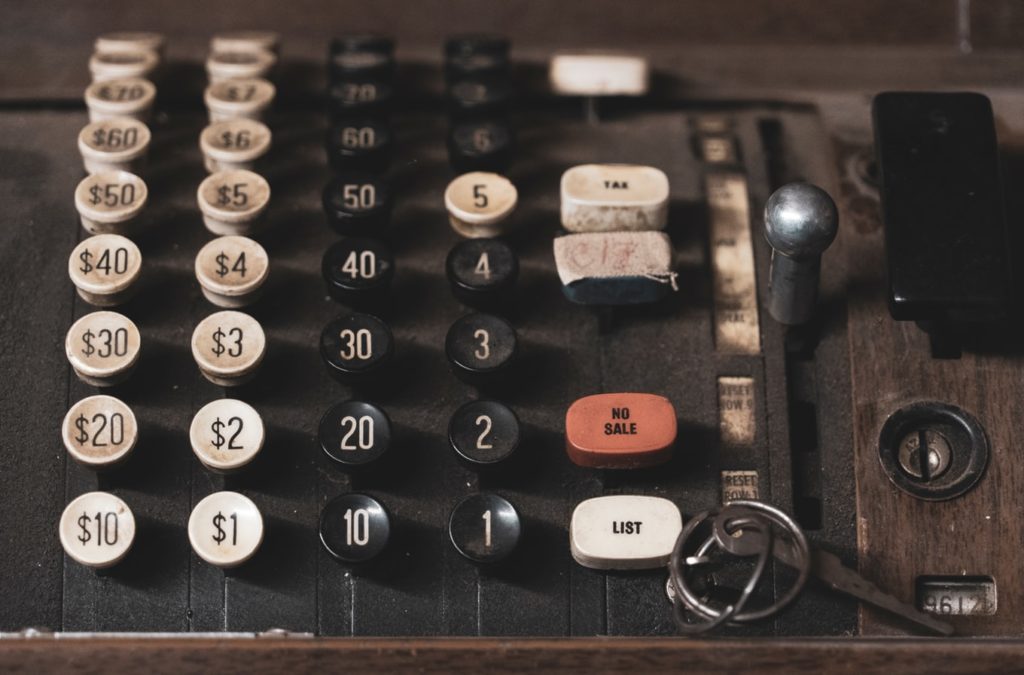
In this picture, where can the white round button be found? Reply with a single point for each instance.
(231, 270)
(245, 40)
(237, 64)
(225, 529)
(106, 66)
(228, 347)
(99, 431)
(248, 98)
(103, 347)
(479, 203)
(226, 434)
(130, 41)
(104, 268)
(127, 97)
(97, 529)
(115, 144)
(234, 144)
(232, 201)
(107, 201)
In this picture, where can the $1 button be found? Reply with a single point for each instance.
(231, 201)
(108, 201)
(97, 529)
(234, 144)
(225, 529)
(620, 431)
(228, 347)
(231, 270)
(226, 434)
(103, 347)
(104, 268)
(99, 431)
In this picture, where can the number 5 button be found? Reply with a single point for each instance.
(480, 203)
(228, 347)
(354, 528)
(225, 529)
(485, 528)
(226, 434)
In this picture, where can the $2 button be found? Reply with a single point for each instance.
(104, 268)
(97, 529)
(228, 347)
(103, 347)
(620, 431)
(226, 434)
(231, 201)
(231, 270)
(225, 529)
(99, 431)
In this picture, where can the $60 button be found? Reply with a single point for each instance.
(228, 347)
(225, 529)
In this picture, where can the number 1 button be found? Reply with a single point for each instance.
(226, 434)
(354, 528)
(97, 529)
(225, 529)
(485, 528)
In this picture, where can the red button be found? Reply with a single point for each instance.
(620, 431)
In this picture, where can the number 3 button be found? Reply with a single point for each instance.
(485, 528)
(480, 347)
(355, 528)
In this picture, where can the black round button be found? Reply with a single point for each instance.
(359, 96)
(356, 346)
(354, 433)
(476, 43)
(357, 203)
(349, 65)
(482, 272)
(478, 96)
(484, 432)
(480, 146)
(358, 269)
(485, 528)
(359, 144)
(476, 56)
(354, 528)
(362, 42)
(480, 346)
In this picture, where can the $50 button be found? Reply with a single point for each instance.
(225, 529)
(226, 434)
(228, 347)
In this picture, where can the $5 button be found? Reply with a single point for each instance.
(231, 270)
(226, 434)
(99, 431)
(232, 201)
(225, 529)
(97, 529)
(103, 347)
(228, 347)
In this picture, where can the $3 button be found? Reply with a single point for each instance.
(97, 529)
(231, 270)
(228, 347)
(226, 434)
(225, 529)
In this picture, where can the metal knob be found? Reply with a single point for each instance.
(800, 222)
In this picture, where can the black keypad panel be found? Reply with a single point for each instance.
(391, 472)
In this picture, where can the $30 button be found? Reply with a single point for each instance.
(231, 270)
(225, 529)
(228, 347)
(226, 434)
(103, 347)
(97, 529)
(99, 431)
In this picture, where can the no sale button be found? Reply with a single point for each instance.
(620, 431)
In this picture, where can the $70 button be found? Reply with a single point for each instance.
(228, 347)
(225, 529)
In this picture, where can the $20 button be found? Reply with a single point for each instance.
(99, 431)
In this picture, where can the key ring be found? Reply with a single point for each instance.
(742, 516)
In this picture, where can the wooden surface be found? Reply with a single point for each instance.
(584, 656)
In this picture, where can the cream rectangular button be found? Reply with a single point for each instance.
(614, 197)
(624, 532)
(597, 74)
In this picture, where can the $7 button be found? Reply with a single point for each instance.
(228, 347)
(97, 529)
(226, 434)
(231, 270)
(225, 529)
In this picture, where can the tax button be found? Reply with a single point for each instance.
(620, 431)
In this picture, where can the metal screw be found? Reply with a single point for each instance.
(925, 454)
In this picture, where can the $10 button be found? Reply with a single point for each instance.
(225, 529)
(228, 347)
(226, 434)
(97, 529)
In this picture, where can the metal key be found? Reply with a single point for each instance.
(826, 566)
